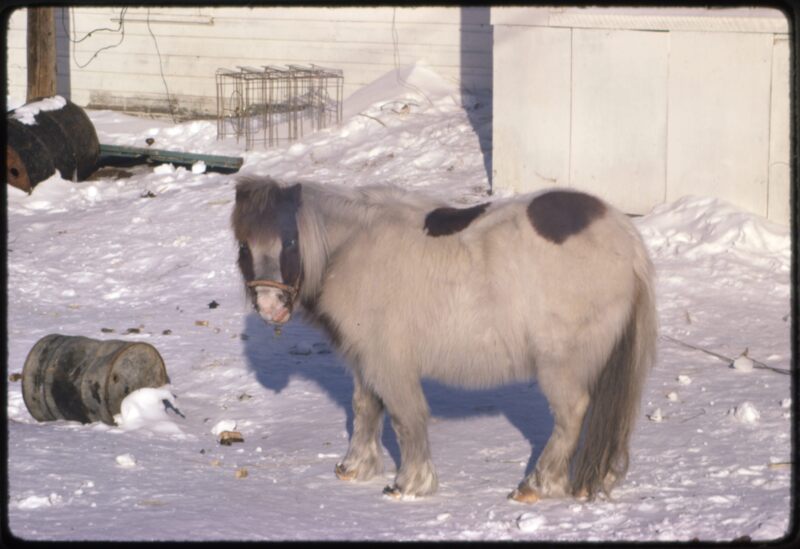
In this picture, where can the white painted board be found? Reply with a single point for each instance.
(619, 116)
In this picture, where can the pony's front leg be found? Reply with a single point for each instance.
(364, 456)
(408, 411)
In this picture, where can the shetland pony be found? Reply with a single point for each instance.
(555, 286)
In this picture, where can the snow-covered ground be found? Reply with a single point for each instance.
(153, 250)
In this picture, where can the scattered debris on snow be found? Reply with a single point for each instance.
(227, 438)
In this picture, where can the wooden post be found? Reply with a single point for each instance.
(41, 53)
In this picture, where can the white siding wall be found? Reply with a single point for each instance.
(194, 42)
(643, 105)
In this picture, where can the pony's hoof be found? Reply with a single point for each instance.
(392, 492)
(343, 473)
(524, 494)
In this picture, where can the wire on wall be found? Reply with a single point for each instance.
(161, 69)
(120, 29)
(396, 52)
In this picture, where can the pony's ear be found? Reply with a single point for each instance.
(244, 187)
(294, 193)
(241, 193)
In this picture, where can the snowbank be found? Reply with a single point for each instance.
(695, 227)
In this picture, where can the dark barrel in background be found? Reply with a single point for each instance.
(62, 139)
(83, 379)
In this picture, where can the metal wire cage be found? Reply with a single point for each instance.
(272, 105)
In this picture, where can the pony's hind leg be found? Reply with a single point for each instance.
(568, 402)
(364, 456)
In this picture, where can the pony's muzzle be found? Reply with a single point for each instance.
(273, 305)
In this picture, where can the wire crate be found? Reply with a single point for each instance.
(272, 105)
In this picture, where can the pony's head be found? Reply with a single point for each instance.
(265, 224)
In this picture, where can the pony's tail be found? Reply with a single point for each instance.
(602, 459)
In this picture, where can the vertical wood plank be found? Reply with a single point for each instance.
(531, 108)
(718, 121)
(41, 52)
(779, 206)
(619, 116)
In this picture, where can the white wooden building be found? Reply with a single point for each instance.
(644, 105)
(638, 105)
(136, 57)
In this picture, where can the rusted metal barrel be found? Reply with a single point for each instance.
(83, 379)
(62, 139)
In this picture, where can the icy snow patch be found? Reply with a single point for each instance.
(530, 522)
(746, 413)
(35, 502)
(126, 461)
(146, 408)
(743, 364)
(223, 425)
(27, 113)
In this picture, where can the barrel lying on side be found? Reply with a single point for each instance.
(62, 139)
(83, 379)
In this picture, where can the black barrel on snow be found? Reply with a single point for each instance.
(83, 379)
(62, 139)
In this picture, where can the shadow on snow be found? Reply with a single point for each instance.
(268, 355)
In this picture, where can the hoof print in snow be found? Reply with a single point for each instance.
(241, 472)
(16, 376)
(133, 331)
(201, 322)
(226, 438)
(213, 305)
(148, 194)
(107, 330)
(166, 332)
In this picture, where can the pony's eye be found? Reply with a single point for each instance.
(290, 243)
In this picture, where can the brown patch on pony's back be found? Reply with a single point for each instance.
(557, 215)
(447, 221)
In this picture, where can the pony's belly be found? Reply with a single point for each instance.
(476, 362)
